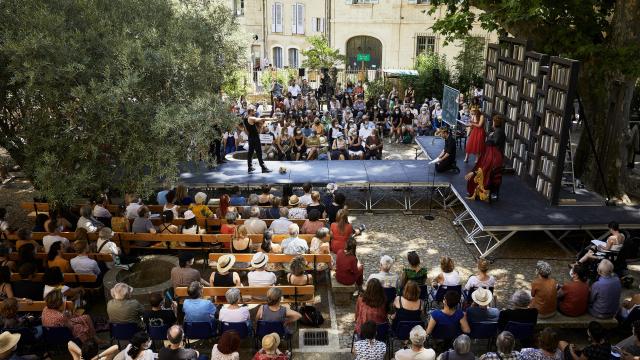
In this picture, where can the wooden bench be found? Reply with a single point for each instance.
(342, 294)
(69, 278)
(38, 306)
(68, 256)
(291, 294)
(577, 322)
(312, 260)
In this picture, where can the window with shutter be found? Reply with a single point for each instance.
(300, 19)
(294, 19)
(273, 18)
(277, 18)
(314, 23)
(322, 25)
(293, 58)
(277, 57)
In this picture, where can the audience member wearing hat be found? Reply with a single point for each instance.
(270, 351)
(223, 277)
(296, 212)
(259, 276)
(200, 209)
(480, 310)
(8, 345)
(184, 274)
(190, 225)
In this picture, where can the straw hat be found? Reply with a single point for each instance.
(294, 200)
(259, 260)
(225, 262)
(189, 215)
(8, 341)
(482, 297)
(271, 342)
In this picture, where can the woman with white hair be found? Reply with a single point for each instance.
(122, 308)
(234, 313)
(461, 350)
(505, 342)
(417, 351)
(385, 276)
(200, 208)
(544, 291)
(519, 310)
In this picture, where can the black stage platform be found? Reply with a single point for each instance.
(487, 226)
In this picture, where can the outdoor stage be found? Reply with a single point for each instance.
(487, 226)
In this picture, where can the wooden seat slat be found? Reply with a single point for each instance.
(250, 291)
(37, 306)
(68, 277)
(277, 258)
(68, 256)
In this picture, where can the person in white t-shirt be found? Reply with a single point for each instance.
(294, 88)
(234, 312)
(417, 351)
(54, 236)
(131, 212)
(305, 200)
(106, 246)
(259, 276)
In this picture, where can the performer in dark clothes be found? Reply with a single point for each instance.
(447, 158)
(252, 125)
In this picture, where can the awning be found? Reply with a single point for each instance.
(400, 72)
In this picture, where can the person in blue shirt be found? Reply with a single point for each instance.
(604, 299)
(236, 199)
(197, 309)
(161, 198)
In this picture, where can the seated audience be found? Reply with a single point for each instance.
(138, 348)
(142, 224)
(371, 305)
(320, 245)
(55, 258)
(222, 277)
(6, 289)
(122, 308)
(158, 315)
(200, 208)
(297, 276)
(233, 312)
(449, 275)
(604, 298)
(26, 288)
(265, 197)
(281, 225)
(90, 350)
(294, 245)
(349, 270)
(573, 296)
(334, 202)
(368, 347)
(54, 236)
(274, 211)
(197, 309)
(260, 276)
(53, 279)
(270, 351)
(184, 274)
(100, 211)
(414, 272)
(230, 226)
(236, 198)
(175, 350)
(519, 311)
(12, 319)
(481, 278)
(87, 221)
(254, 224)
(341, 230)
(547, 347)
(505, 344)
(312, 224)
(544, 291)
(613, 243)
(408, 306)
(227, 347)
(190, 225)
(268, 247)
(315, 205)
(385, 276)
(167, 226)
(252, 201)
(480, 311)
(305, 199)
(274, 311)
(133, 203)
(24, 238)
(170, 205)
(628, 304)
(55, 314)
(82, 264)
(27, 255)
(296, 212)
(450, 315)
(417, 351)
(461, 350)
(119, 222)
(630, 347)
(241, 243)
(223, 207)
(106, 246)
(5, 250)
(4, 224)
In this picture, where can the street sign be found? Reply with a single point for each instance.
(363, 57)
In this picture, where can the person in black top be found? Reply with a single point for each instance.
(175, 350)
(158, 316)
(447, 158)
(252, 125)
(26, 288)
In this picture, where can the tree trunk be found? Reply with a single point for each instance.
(606, 94)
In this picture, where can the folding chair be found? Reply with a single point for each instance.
(267, 327)
(484, 330)
(199, 330)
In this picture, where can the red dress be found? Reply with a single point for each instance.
(347, 271)
(491, 162)
(365, 313)
(475, 142)
(340, 237)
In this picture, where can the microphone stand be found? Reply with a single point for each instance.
(430, 217)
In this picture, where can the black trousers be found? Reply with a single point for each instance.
(445, 165)
(255, 146)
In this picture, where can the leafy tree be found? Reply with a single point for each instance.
(433, 74)
(112, 93)
(603, 34)
(375, 88)
(321, 55)
(282, 75)
(469, 64)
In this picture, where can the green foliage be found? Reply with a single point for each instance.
(112, 93)
(283, 76)
(321, 55)
(433, 74)
(237, 84)
(376, 88)
(469, 64)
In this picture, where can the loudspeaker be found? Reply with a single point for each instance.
(301, 72)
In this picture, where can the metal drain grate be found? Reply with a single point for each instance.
(316, 338)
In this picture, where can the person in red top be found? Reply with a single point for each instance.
(371, 305)
(349, 270)
(341, 230)
(573, 296)
(230, 226)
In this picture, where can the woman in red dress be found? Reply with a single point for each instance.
(475, 143)
(341, 230)
(491, 159)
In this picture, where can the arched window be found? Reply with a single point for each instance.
(293, 58)
(369, 48)
(277, 57)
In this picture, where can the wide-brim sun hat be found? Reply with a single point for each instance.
(271, 342)
(259, 260)
(225, 262)
(188, 215)
(482, 296)
(8, 341)
(294, 200)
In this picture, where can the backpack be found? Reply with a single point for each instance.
(311, 316)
